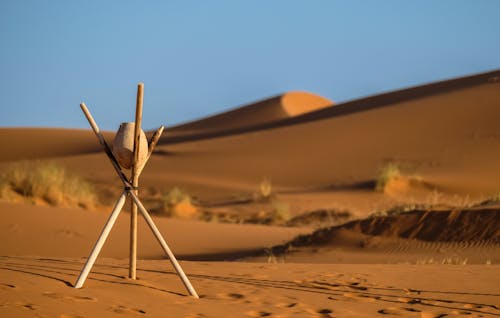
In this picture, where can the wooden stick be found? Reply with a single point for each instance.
(164, 245)
(135, 182)
(100, 241)
(105, 145)
(144, 212)
(154, 140)
(152, 144)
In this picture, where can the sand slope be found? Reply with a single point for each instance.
(37, 143)
(59, 232)
(267, 111)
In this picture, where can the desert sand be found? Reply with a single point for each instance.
(426, 244)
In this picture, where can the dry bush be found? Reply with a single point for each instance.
(178, 203)
(264, 192)
(265, 188)
(280, 212)
(388, 172)
(46, 181)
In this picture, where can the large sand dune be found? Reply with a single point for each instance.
(267, 111)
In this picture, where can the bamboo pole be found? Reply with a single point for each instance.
(135, 183)
(100, 242)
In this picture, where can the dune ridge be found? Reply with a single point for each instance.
(266, 111)
(350, 107)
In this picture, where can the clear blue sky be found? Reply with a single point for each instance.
(201, 57)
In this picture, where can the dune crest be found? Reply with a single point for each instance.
(297, 103)
(256, 114)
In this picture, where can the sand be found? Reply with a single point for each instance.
(427, 245)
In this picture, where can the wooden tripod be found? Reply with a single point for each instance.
(130, 188)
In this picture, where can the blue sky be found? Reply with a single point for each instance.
(201, 57)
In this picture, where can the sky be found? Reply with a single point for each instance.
(197, 58)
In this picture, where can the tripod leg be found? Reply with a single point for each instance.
(100, 242)
(164, 245)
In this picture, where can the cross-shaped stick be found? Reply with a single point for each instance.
(119, 205)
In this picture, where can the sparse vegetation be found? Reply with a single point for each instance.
(265, 189)
(387, 173)
(280, 212)
(492, 199)
(397, 210)
(271, 258)
(447, 260)
(179, 204)
(321, 218)
(47, 182)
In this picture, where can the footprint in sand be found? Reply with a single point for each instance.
(471, 306)
(397, 311)
(68, 233)
(28, 306)
(429, 314)
(120, 309)
(409, 300)
(359, 297)
(256, 313)
(70, 298)
(198, 315)
(460, 312)
(285, 305)
(4, 286)
(230, 296)
(325, 312)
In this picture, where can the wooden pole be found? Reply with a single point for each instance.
(100, 242)
(165, 247)
(135, 183)
(104, 144)
(152, 144)
(143, 210)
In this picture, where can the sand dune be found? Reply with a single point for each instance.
(37, 143)
(252, 116)
(450, 139)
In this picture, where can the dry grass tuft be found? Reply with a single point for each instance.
(280, 212)
(387, 173)
(265, 191)
(48, 182)
(178, 203)
(265, 188)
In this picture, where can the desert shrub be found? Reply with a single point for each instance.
(495, 197)
(264, 192)
(178, 203)
(265, 189)
(280, 212)
(388, 172)
(46, 181)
